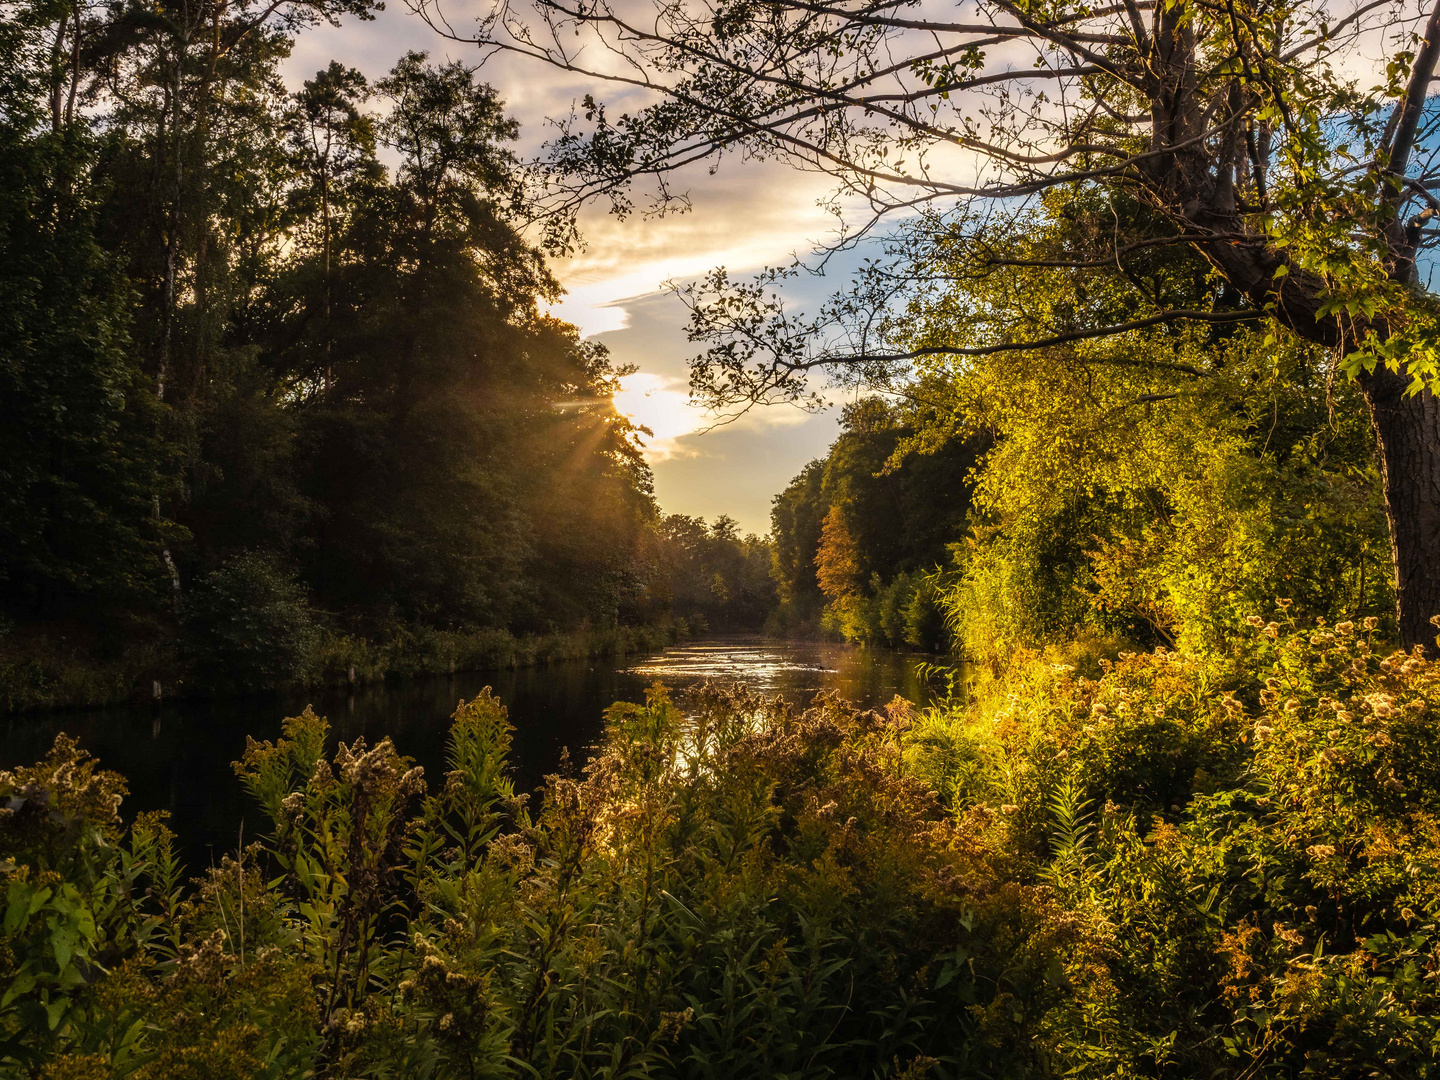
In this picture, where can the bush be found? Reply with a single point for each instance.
(247, 625)
(906, 611)
(745, 893)
(1253, 848)
(924, 618)
(1166, 524)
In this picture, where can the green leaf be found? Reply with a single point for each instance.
(55, 1010)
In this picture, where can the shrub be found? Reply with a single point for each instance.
(1253, 849)
(924, 626)
(744, 892)
(248, 625)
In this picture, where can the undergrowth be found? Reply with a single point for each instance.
(1174, 868)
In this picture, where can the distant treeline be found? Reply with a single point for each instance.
(862, 537)
(261, 392)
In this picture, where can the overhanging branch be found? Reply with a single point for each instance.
(1162, 318)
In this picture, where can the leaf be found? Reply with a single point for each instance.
(63, 945)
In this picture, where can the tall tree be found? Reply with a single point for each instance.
(1247, 130)
(461, 438)
(239, 353)
(81, 448)
(797, 516)
(335, 141)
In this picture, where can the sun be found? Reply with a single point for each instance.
(650, 401)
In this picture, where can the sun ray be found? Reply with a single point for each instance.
(651, 401)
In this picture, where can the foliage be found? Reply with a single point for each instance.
(235, 340)
(743, 891)
(1162, 508)
(247, 623)
(1145, 488)
(710, 576)
(1180, 866)
(906, 612)
(865, 529)
(82, 450)
(1250, 846)
(837, 560)
(1215, 167)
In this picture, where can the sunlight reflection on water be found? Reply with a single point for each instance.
(794, 670)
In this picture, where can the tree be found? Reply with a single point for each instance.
(81, 452)
(1237, 127)
(838, 568)
(461, 448)
(336, 143)
(797, 515)
(714, 572)
(241, 355)
(867, 526)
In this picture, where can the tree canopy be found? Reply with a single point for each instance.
(1257, 136)
(275, 370)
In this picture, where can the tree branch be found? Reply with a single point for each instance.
(1176, 315)
(1413, 103)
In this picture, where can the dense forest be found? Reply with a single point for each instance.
(1144, 432)
(278, 400)
(1007, 506)
(1010, 505)
(861, 537)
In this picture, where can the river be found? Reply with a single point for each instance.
(176, 755)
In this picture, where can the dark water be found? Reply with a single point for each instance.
(176, 756)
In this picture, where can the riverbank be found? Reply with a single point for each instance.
(177, 754)
(1187, 865)
(55, 671)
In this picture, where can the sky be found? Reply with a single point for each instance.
(745, 217)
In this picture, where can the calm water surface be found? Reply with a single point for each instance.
(176, 756)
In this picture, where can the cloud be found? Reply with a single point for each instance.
(758, 215)
(700, 469)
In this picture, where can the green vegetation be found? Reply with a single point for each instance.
(859, 537)
(1154, 488)
(1149, 438)
(265, 400)
(1193, 167)
(714, 578)
(1121, 491)
(1176, 868)
(63, 673)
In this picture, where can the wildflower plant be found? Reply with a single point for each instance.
(733, 889)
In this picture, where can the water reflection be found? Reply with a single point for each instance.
(176, 755)
(794, 670)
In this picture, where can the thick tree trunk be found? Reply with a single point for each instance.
(1407, 428)
(1408, 431)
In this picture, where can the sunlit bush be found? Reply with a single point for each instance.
(906, 611)
(743, 892)
(1162, 509)
(1251, 845)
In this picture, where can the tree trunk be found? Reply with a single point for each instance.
(1408, 431)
